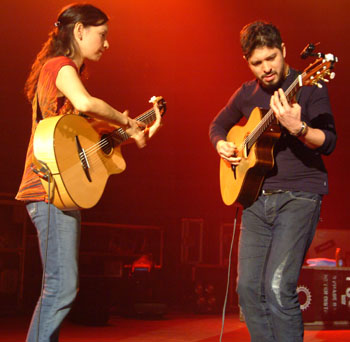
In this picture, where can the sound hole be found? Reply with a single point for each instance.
(107, 144)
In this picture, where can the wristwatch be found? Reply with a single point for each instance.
(302, 131)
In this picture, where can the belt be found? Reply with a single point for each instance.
(268, 192)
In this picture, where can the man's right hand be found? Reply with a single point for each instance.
(228, 151)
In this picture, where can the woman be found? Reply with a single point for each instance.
(54, 88)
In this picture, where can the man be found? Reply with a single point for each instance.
(277, 229)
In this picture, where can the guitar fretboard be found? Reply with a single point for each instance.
(119, 135)
(269, 118)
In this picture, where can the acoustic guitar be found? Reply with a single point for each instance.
(77, 160)
(256, 139)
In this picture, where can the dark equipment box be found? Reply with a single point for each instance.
(324, 295)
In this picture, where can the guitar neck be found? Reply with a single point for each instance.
(147, 118)
(269, 117)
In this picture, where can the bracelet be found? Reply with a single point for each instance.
(302, 131)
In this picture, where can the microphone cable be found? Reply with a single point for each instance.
(228, 276)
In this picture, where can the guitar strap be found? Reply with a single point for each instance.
(37, 166)
(39, 114)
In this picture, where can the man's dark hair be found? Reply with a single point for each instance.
(259, 34)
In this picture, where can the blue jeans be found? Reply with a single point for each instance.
(276, 232)
(61, 275)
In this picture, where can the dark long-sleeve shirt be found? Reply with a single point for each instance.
(296, 167)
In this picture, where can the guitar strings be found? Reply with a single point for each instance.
(121, 135)
(103, 142)
(90, 152)
(265, 121)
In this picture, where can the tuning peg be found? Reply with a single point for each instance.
(316, 83)
(331, 58)
(152, 99)
(330, 74)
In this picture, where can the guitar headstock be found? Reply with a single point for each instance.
(160, 103)
(320, 70)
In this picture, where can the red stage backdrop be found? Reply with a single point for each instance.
(187, 51)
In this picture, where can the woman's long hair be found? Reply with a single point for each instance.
(61, 40)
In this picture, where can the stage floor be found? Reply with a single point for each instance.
(171, 328)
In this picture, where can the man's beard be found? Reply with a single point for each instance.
(276, 85)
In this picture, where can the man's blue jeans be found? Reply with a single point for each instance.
(61, 274)
(276, 232)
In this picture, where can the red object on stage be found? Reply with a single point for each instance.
(144, 263)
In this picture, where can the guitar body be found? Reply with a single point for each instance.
(243, 184)
(56, 143)
(255, 141)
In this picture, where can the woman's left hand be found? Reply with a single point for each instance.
(157, 123)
